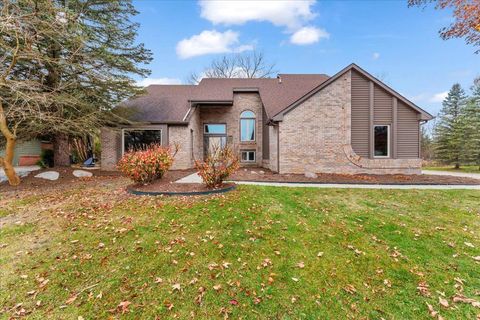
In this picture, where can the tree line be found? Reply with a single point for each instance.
(456, 132)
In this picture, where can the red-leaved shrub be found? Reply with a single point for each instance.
(220, 164)
(145, 166)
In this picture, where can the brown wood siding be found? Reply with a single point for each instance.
(382, 106)
(360, 114)
(407, 132)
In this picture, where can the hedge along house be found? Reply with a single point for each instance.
(348, 123)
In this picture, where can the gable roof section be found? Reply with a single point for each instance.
(424, 114)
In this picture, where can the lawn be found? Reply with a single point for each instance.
(255, 253)
(467, 169)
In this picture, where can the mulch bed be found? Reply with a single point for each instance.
(167, 185)
(265, 175)
(65, 180)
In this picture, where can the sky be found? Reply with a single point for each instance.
(398, 44)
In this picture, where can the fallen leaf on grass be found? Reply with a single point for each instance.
(432, 311)
(301, 265)
(462, 299)
(350, 289)
(443, 302)
(217, 287)
(233, 302)
(469, 244)
(176, 286)
(424, 289)
(123, 306)
(320, 254)
(477, 258)
(71, 299)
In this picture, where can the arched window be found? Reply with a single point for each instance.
(247, 126)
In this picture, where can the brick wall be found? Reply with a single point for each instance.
(316, 137)
(111, 147)
(231, 116)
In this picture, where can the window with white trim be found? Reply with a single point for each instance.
(247, 126)
(138, 139)
(248, 156)
(381, 141)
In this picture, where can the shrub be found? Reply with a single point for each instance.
(145, 166)
(217, 167)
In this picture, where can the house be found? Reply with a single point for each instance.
(347, 123)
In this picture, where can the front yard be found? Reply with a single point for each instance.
(93, 251)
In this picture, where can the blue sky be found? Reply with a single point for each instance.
(396, 43)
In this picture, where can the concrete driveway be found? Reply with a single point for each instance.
(21, 171)
(455, 174)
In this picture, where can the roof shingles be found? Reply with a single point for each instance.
(170, 103)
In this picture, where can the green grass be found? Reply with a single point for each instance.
(252, 244)
(467, 169)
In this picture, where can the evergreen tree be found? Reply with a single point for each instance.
(471, 125)
(64, 64)
(449, 131)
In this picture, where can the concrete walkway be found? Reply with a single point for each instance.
(454, 174)
(21, 171)
(192, 178)
(195, 178)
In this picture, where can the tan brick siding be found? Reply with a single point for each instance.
(231, 116)
(111, 144)
(316, 137)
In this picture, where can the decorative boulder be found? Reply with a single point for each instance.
(82, 174)
(312, 175)
(48, 175)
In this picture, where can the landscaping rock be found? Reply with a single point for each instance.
(261, 172)
(82, 174)
(48, 175)
(311, 175)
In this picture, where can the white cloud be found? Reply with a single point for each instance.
(428, 97)
(292, 14)
(208, 42)
(438, 97)
(375, 56)
(308, 35)
(148, 81)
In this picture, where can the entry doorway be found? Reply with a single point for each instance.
(214, 137)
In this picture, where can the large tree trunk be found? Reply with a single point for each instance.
(7, 161)
(61, 151)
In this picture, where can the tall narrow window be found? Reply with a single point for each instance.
(382, 141)
(247, 126)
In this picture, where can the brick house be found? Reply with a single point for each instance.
(348, 123)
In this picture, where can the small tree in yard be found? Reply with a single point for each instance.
(145, 166)
(219, 165)
(449, 130)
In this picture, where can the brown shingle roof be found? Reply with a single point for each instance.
(170, 103)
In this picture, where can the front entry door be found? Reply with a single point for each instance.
(214, 138)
